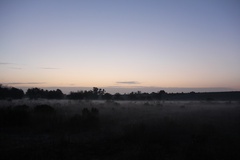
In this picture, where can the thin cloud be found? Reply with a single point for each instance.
(9, 63)
(5, 63)
(127, 82)
(20, 83)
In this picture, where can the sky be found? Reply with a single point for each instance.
(120, 43)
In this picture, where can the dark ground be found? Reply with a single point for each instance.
(119, 130)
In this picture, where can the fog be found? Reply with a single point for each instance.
(97, 129)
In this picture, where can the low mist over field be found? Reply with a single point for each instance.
(59, 129)
(94, 124)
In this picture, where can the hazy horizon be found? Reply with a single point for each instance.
(143, 89)
(126, 44)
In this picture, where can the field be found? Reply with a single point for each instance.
(115, 130)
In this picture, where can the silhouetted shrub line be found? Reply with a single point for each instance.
(100, 94)
(46, 118)
(10, 93)
(35, 93)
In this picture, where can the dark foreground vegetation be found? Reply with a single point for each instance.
(114, 130)
(100, 94)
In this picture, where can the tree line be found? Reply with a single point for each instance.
(32, 93)
(10, 92)
(94, 94)
(101, 94)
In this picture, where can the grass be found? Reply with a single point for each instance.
(119, 130)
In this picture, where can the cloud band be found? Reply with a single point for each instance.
(127, 82)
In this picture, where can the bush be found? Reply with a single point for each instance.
(44, 109)
(94, 111)
(14, 116)
(85, 113)
(90, 117)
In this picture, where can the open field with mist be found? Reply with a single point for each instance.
(68, 129)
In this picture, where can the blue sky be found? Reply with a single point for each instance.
(121, 43)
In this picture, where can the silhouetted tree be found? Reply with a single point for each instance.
(91, 94)
(132, 96)
(35, 93)
(76, 95)
(161, 95)
(55, 94)
(117, 96)
(107, 96)
(98, 93)
(10, 92)
(95, 93)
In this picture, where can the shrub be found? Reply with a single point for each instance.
(44, 109)
(90, 114)
(75, 122)
(94, 111)
(90, 117)
(85, 113)
(14, 116)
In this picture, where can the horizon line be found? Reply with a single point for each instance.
(143, 89)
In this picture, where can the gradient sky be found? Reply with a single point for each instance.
(122, 43)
